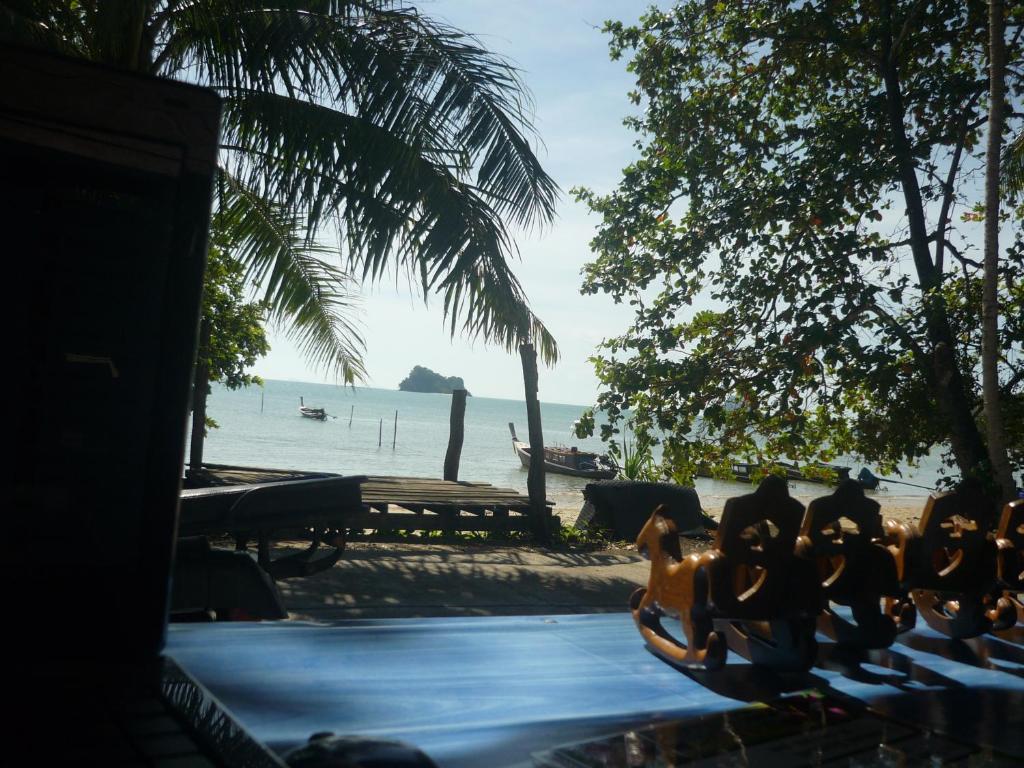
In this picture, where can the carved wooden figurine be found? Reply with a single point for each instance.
(1010, 555)
(948, 562)
(842, 534)
(678, 586)
(766, 598)
(749, 590)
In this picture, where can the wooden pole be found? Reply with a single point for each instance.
(456, 433)
(535, 482)
(394, 437)
(351, 411)
(261, 400)
(380, 432)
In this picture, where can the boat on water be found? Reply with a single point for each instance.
(743, 472)
(568, 461)
(312, 413)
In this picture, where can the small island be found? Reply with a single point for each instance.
(422, 379)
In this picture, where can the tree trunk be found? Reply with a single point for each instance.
(535, 482)
(120, 27)
(200, 390)
(990, 297)
(456, 432)
(945, 378)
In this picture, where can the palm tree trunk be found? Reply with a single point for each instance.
(200, 390)
(535, 481)
(119, 28)
(990, 297)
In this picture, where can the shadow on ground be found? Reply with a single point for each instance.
(419, 580)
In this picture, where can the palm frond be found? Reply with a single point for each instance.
(402, 131)
(309, 297)
(43, 25)
(375, 58)
(489, 302)
(485, 98)
(457, 241)
(1013, 164)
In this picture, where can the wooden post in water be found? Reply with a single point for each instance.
(394, 437)
(455, 434)
(261, 400)
(535, 482)
(351, 411)
(380, 432)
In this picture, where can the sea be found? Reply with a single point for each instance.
(390, 432)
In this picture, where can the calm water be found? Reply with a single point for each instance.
(277, 436)
(280, 437)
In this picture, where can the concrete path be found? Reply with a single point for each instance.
(383, 580)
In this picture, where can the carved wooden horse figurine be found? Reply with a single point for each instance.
(1010, 555)
(949, 563)
(677, 586)
(855, 569)
(765, 598)
(750, 586)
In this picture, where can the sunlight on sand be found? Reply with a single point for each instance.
(568, 503)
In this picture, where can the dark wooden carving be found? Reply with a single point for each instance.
(842, 535)
(749, 592)
(765, 597)
(1010, 555)
(948, 562)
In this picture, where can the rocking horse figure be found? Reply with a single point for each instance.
(1010, 555)
(855, 569)
(948, 562)
(678, 586)
(765, 598)
(750, 591)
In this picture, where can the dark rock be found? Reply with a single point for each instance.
(422, 379)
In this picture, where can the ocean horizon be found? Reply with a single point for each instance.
(371, 431)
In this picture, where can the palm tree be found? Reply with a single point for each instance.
(364, 121)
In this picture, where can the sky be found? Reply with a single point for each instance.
(581, 100)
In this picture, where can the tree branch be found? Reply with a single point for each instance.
(948, 190)
(905, 29)
(904, 335)
(964, 260)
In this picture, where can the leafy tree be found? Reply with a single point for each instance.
(363, 118)
(231, 335)
(809, 174)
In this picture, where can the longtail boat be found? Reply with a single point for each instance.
(568, 461)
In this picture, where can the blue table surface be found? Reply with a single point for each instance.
(491, 691)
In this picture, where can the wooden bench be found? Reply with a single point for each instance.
(321, 507)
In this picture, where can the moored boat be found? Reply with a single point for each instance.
(568, 461)
(743, 472)
(312, 413)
